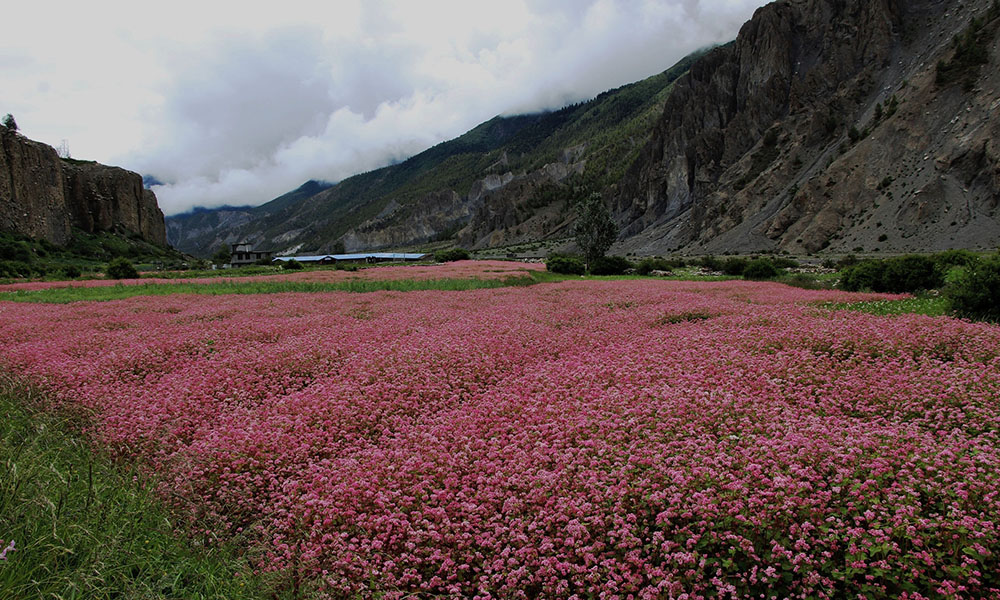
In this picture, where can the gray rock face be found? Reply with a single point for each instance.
(43, 196)
(31, 189)
(710, 180)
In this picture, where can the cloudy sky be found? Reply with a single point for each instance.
(236, 103)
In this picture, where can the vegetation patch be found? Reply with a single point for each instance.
(451, 255)
(610, 265)
(761, 269)
(79, 526)
(971, 51)
(23, 257)
(902, 274)
(975, 291)
(565, 265)
(933, 306)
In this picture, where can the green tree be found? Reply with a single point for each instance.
(222, 255)
(9, 122)
(595, 229)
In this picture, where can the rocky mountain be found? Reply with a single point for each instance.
(838, 125)
(43, 196)
(848, 125)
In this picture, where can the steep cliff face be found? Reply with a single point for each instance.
(815, 130)
(31, 189)
(43, 196)
(103, 198)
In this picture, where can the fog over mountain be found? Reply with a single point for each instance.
(229, 103)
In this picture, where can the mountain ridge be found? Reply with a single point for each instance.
(810, 132)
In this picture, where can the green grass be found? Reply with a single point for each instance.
(62, 295)
(86, 528)
(921, 305)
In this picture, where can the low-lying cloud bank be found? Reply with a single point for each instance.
(242, 106)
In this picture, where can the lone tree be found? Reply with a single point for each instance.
(595, 229)
(9, 122)
(222, 255)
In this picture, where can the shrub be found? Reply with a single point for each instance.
(976, 293)
(910, 274)
(955, 258)
(901, 274)
(15, 250)
(610, 265)
(783, 262)
(451, 254)
(14, 268)
(710, 263)
(865, 275)
(71, 271)
(806, 282)
(761, 269)
(848, 261)
(734, 266)
(569, 265)
(292, 265)
(121, 268)
(648, 265)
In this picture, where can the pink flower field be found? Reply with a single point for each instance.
(584, 439)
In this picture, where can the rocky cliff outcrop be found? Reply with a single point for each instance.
(43, 196)
(31, 189)
(817, 129)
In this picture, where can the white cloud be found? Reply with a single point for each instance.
(236, 103)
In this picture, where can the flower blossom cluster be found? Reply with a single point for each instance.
(8, 548)
(584, 439)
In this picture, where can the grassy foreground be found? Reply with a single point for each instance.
(62, 295)
(84, 527)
